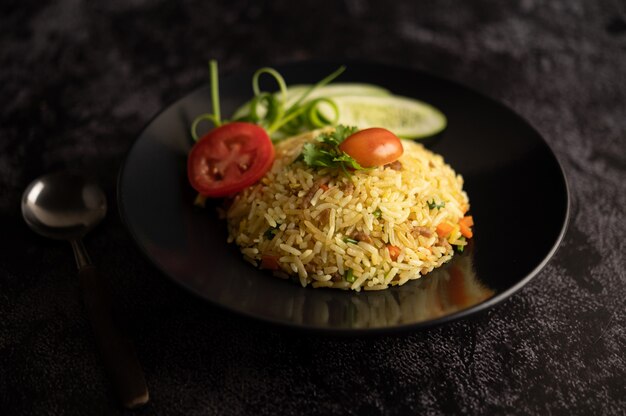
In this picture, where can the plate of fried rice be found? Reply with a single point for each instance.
(369, 250)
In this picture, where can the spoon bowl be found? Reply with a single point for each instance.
(63, 206)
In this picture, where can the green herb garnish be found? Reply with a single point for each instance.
(325, 152)
(270, 233)
(432, 204)
(349, 276)
(377, 213)
(350, 240)
(269, 109)
(214, 118)
(460, 248)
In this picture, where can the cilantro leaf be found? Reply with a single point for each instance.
(432, 204)
(337, 136)
(325, 152)
(348, 161)
(314, 156)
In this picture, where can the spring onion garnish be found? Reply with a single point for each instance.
(350, 240)
(300, 115)
(214, 118)
(312, 88)
(274, 107)
(270, 110)
(279, 79)
(377, 213)
(349, 276)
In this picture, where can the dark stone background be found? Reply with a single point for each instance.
(79, 79)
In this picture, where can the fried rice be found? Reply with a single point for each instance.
(369, 229)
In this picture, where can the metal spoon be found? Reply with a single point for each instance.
(65, 207)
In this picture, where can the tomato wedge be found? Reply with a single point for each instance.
(229, 158)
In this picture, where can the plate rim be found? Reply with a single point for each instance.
(312, 328)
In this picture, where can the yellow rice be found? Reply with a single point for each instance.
(385, 204)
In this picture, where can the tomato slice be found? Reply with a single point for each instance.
(229, 158)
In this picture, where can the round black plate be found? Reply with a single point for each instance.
(518, 194)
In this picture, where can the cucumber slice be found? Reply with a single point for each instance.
(405, 117)
(333, 90)
(337, 89)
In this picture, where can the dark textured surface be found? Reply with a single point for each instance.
(78, 80)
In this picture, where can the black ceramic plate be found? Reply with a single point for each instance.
(517, 190)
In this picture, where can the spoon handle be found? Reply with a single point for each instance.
(116, 350)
